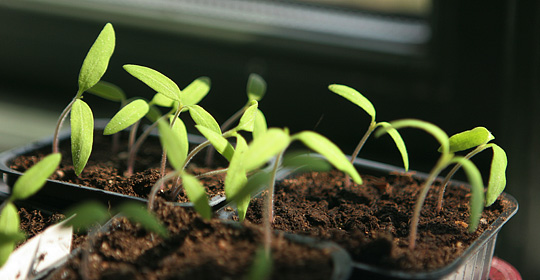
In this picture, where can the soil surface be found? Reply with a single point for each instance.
(371, 221)
(195, 249)
(105, 168)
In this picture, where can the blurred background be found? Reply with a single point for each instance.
(458, 64)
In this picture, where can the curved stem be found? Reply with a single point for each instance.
(164, 154)
(177, 188)
(268, 218)
(158, 186)
(210, 152)
(451, 174)
(133, 134)
(370, 130)
(135, 148)
(59, 125)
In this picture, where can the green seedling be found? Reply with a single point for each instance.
(272, 145)
(262, 265)
(255, 89)
(88, 214)
(446, 159)
(358, 99)
(478, 138)
(82, 121)
(27, 185)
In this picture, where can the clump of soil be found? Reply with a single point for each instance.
(371, 221)
(105, 168)
(195, 249)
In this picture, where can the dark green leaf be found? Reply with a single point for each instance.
(203, 118)
(34, 178)
(82, 134)
(398, 140)
(155, 80)
(256, 87)
(497, 176)
(195, 92)
(108, 91)
(355, 97)
(469, 139)
(171, 143)
(477, 191)
(330, 151)
(97, 60)
(197, 195)
(127, 116)
(86, 215)
(219, 142)
(153, 114)
(263, 148)
(138, 214)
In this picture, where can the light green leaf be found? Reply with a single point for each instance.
(86, 215)
(127, 116)
(171, 143)
(497, 176)
(236, 177)
(197, 195)
(355, 97)
(398, 140)
(82, 134)
(9, 224)
(470, 139)
(8, 238)
(97, 60)
(263, 148)
(179, 129)
(137, 213)
(256, 87)
(262, 266)
(155, 80)
(195, 92)
(217, 140)
(305, 161)
(330, 151)
(162, 100)
(203, 118)
(430, 128)
(247, 121)
(34, 178)
(259, 126)
(108, 91)
(255, 182)
(153, 114)
(477, 190)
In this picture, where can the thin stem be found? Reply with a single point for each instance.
(60, 123)
(133, 151)
(133, 134)
(158, 186)
(210, 173)
(269, 213)
(164, 154)
(451, 174)
(210, 152)
(370, 130)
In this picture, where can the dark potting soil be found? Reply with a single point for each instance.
(371, 221)
(195, 249)
(105, 168)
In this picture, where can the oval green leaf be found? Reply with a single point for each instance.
(127, 116)
(236, 177)
(155, 80)
(303, 161)
(265, 147)
(398, 140)
(9, 224)
(355, 97)
(497, 175)
(217, 140)
(108, 91)
(86, 215)
(153, 114)
(256, 87)
(330, 151)
(430, 128)
(247, 121)
(180, 131)
(259, 126)
(203, 118)
(82, 134)
(197, 195)
(34, 178)
(477, 190)
(137, 213)
(470, 139)
(162, 100)
(97, 60)
(171, 143)
(195, 92)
